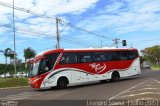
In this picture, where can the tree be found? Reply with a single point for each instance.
(11, 56)
(152, 54)
(142, 59)
(29, 53)
(7, 52)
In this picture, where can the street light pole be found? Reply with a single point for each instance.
(14, 41)
(116, 42)
(57, 21)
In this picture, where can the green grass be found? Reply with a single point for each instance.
(156, 67)
(13, 82)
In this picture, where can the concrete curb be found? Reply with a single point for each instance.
(13, 87)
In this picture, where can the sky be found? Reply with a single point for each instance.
(137, 21)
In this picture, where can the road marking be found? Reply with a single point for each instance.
(148, 85)
(144, 89)
(20, 96)
(156, 81)
(6, 88)
(128, 89)
(144, 93)
(147, 98)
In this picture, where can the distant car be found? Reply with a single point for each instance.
(21, 74)
(8, 75)
(3, 76)
(146, 66)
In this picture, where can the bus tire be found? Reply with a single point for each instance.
(115, 76)
(62, 82)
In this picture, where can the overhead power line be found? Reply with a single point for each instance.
(54, 20)
(27, 11)
(32, 32)
(84, 30)
(116, 41)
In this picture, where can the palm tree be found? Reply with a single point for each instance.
(11, 55)
(7, 52)
(29, 53)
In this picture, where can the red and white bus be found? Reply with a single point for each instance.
(64, 67)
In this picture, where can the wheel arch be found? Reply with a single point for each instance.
(64, 78)
(113, 74)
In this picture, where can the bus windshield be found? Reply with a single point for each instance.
(34, 69)
(43, 65)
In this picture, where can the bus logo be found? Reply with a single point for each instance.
(98, 67)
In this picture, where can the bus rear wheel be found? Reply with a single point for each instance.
(115, 76)
(62, 82)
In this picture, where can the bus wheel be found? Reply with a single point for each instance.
(62, 82)
(115, 76)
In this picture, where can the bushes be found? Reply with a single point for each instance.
(10, 68)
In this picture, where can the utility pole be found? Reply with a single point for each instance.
(101, 43)
(57, 21)
(116, 42)
(14, 41)
(131, 45)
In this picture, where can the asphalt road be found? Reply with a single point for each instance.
(144, 87)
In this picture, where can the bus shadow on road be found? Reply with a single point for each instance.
(89, 84)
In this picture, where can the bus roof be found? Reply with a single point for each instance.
(84, 50)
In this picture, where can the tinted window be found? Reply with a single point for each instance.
(69, 58)
(48, 62)
(112, 56)
(84, 57)
(51, 59)
(132, 55)
(99, 56)
(123, 55)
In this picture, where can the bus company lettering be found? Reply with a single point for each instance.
(98, 67)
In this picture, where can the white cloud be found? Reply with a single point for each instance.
(8, 41)
(3, 40)
(54, 7)
(120, 18)
(49, 8)
(114, 7)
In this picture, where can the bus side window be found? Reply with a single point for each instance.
(50, 60)
(45, 66)
(63, 60)
(132, 55)
(123, 55)
(112, 56)
(69, 58)
(84, 57)
(99, 56)
(108, 56)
